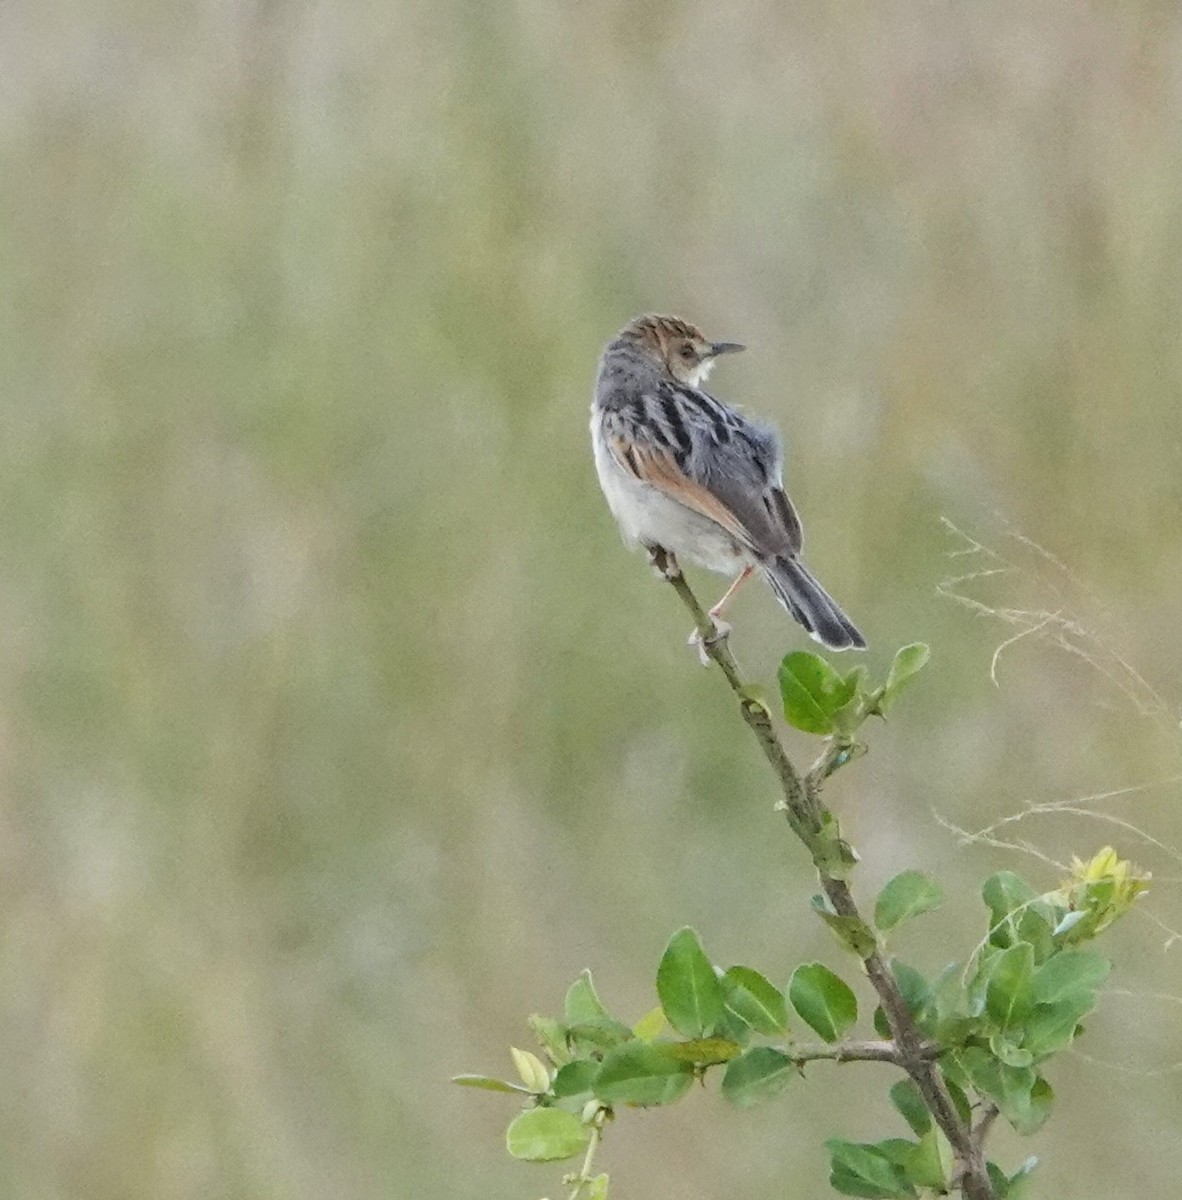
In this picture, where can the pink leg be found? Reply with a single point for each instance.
(740, 579)
(722, 629)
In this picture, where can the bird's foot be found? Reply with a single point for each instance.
(722, 630)
(663, 562)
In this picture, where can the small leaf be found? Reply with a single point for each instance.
(906, 896)
(1022, 1096)
(754, 1000)
(595, 1189)
(909, 661)
(546, 1135)
(1018, 1184)
(575, 1078)
(906, 1098)
(650, 1025)
(757, 1074)
(582, 1001)
(1005, 1051)
(997, 1177)
(812, 691)
(756, 694)
(690, 993)
(861, 1170)
(1067, 972)
(1029, 916)
(824, 1001)
(1042, 1100)
(703, 1052)
(1069, 921)
(1008, 992)
(930, 1162)
(1052, 1027)
(600, 1033)
(531, 1069)
(551, 1037)
(642, 1073)
(963, 1108)
(917, 993)
(489, 1084)
(852, 932)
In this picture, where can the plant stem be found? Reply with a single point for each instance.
(809, 819)
(850, 1051)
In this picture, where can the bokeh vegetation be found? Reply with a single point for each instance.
(338, 730)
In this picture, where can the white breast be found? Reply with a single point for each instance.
(647, 516)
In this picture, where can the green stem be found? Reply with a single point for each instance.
(585, 1171)
(808, 817)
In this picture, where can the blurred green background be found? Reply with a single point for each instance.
(338, 730)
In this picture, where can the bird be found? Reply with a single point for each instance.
(687, 476)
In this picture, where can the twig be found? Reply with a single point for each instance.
(850, 1051)
(816, 826)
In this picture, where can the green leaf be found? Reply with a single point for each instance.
(757, 1074)
(575, 1078)
(551, 1037)
(546, 1135)
(1018, 1184)
(963, 1108)
(601, 1033)
(909, 661)
(730, 1026)
(1008, 993)
(906, 896)
(650, 1025)
(1051, 1027)
(531, 1069)
(688, 987)
(754, 1000)
(824, 1001)
(1029, 916)
(906, 1098)
(1041, 1101)
(832, 854)
(997, 1177)
(582, 1001)
(1005, 1051)
(642, 1073)
(1023, 1097)
(489, 1084)
(595, 1189)
(861, 1170)
(852, 932)
(1067, 972)
(703, 1052)
(930, 1162)
(812, 691)
(917, 993)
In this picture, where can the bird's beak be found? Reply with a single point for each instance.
(717, 348)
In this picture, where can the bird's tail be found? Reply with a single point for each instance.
(811, 605)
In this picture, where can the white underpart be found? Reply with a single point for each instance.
(648, 517)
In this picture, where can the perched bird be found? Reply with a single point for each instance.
(687, 474)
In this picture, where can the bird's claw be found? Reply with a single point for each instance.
(663, 563)
(722, 631)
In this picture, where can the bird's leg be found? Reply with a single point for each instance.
(721, 628)
(729, 594)
(663, 562)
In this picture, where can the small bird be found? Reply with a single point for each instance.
(689, 475)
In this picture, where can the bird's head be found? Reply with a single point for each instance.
(679, 347)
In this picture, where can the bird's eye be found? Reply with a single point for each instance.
(687, 351)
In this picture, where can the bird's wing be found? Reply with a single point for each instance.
(658, 468)
(735, 484)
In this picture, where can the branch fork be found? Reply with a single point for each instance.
(813, 824)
